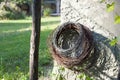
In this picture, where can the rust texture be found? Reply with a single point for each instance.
(71, 44)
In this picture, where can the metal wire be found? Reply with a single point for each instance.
(71, 44)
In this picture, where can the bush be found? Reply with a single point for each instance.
(10, 11)
(11, 15)
(47, 12)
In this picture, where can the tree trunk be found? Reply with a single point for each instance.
(35, 39)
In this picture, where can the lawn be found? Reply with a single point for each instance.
(15, 44)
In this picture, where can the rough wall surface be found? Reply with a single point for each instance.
(93, 14)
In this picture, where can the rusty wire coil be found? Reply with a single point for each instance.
(71, 44)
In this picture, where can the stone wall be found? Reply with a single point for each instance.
(93, 14)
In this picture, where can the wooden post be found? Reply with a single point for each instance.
(35, 39)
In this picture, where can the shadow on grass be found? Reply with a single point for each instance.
(14, 61)
(13, 26)
(7, 26)
(50, 23)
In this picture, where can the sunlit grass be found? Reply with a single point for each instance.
(15, 25)
(15, 44)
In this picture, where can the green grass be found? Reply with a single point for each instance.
(15, 44)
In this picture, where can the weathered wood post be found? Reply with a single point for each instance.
(104, 59)
(35, 39)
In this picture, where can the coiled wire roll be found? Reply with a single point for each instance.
(71, 44)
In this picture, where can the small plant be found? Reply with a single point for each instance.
(61, 68)
(60, 75)
(113, 42)
(117, 19)
(83, 76)
(110, 7)
(47, 12)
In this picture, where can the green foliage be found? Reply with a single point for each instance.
(45, 58)
(113, 42)
(61, 68)
(102, 1)
(21, 1)
(11, 15)
(17, 1)
(11, 11)
(110, 7)
(117, 19)
(60, 77)
(47, 12)
(18, 75)
(83, 76)
(2, 1)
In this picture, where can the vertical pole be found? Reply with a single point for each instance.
(35, 39)
(57, 6)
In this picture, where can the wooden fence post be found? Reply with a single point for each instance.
(35, 39)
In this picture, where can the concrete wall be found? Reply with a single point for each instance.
(93, 14)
